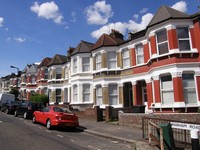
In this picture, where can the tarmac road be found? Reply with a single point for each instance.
(20, 134)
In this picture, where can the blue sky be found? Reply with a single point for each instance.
(32, 30)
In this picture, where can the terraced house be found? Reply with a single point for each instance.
(158, 67)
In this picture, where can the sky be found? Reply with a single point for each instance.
(31, 30)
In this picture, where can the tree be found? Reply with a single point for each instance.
(41, 98)
(15, 92)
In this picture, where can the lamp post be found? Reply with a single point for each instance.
(17, 74)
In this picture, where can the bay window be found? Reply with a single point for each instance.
(189, 88)
(86, 92)
(98, 61)
(75, 65)
(58, 73)
(139, 54)
(75, 93)
(99, 95)
(162, 42)
(167, 92)
(125, 57)
(58, 95)
(85, 64)
(113, 96)
(112, 61)
(183, 38)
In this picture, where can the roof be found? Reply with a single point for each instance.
(45, 62)
(83, 47)
(58, 60)
(33, 69)
(164, 13)
(107, 40)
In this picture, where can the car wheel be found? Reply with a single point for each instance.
(34, 119)
(25, 115)
(15, 114)
(48, 124)
(7, 111)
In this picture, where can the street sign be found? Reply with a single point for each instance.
(185, 126)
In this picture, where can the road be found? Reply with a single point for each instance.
(19, 134)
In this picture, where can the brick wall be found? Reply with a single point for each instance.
(135, 119)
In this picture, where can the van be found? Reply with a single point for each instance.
(6, 98)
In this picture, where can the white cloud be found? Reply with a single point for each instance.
(19, 39)
(1, 21)
(135, 16)
(99, 13)
(48, 10)
(181, 6)
(124, 27)
(73, 15)
(144, 10)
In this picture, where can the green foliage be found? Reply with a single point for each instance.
(15, 92)
(42, 98)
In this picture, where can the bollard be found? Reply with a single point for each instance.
(194, 139)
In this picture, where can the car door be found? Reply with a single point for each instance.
(44, 114)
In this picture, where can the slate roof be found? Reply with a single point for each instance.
(33, 69)
(83, 47)
(45, 62)
(165, 13)
(58, 60)
(107, 40)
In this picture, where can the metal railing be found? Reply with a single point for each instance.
(181, 137)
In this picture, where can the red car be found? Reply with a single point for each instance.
(55, 116)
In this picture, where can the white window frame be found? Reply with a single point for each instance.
(98, 61)
(86, 92)
(126, 58)
(163, 42)
(46, 73)
(99, 95)
(189, 88)
(58, 73)
(58, 96)
(170, 90)
(75, 93)
(139, 54)
(85, 65)
(184, 39)
(75, 65)
(33, 79)
(111, 60)
(113, 97)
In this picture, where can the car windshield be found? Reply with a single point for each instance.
(60, 109)
(15, 103)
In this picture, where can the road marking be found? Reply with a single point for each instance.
(0, 121)
(59, 135)
(40, 127)
(93, 147)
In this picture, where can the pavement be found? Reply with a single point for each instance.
(113, 130)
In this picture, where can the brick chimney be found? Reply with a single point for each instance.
(116, 34)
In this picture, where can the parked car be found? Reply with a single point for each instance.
(27, 109)
(10, 107)
(52, 116)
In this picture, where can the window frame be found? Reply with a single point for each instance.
(75, 65)
(58, 73)
(98, 61)
(137, 47)
(184, 39)
(99, 95)
(113, 97)
(162, 42)
(58, 95)
(162, 89)
(85, 64)
(86, 93)
(75, 93)
(111, 60)
(126, 58)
